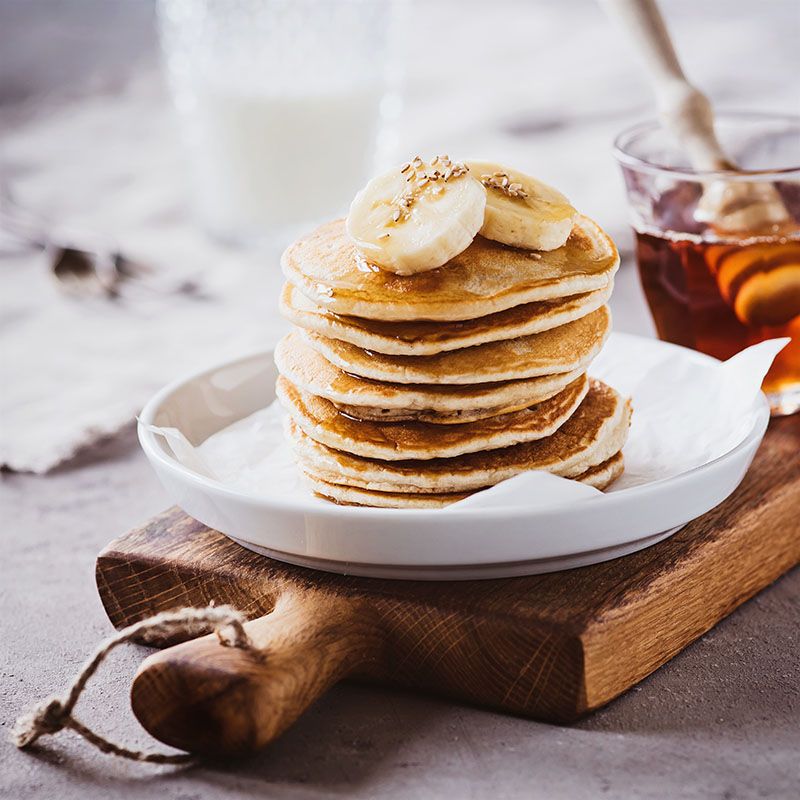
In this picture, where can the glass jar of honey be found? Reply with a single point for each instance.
(718, 284)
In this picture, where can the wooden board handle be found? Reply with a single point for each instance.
(205, 697)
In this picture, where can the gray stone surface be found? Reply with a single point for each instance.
(722, 720)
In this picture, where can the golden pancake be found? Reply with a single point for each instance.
(563, 349)
(486, 278)
(594, 433)
(352, 496)
(435, 417)
(393, 441)
(423, 337)
(366, 399)
(600, 477)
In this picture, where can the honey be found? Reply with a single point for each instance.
(720, 296)
(719, 251)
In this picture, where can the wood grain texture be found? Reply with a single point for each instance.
(551, 647)
(214, 699)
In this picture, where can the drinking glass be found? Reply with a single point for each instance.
(281, 104)
(713, 291)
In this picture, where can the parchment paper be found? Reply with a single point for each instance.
(687, 411)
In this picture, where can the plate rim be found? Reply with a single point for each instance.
(154, 451)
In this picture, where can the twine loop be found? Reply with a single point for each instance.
(46, 717)
(54, 713)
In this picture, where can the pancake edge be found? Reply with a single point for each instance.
(453, 311)
(600, 477)
(314, 428)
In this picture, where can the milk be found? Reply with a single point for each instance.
(264, 163)
(279, 102)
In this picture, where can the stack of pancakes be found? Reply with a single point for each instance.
(417, 390)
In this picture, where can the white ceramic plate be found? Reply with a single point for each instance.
(419, 544)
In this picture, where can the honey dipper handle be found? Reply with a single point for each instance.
(208, 698)
(685, 110)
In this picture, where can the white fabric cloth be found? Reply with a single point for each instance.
(531, 96)
(75, 370)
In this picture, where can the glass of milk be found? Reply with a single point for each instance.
(282, 103)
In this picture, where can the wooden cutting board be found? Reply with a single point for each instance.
(552, 647)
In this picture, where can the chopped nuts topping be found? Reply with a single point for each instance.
(501, 182)
(420, 175)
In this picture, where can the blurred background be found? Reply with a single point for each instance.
(197, 165)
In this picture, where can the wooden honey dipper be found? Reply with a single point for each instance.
(729, 206)
(761, 282)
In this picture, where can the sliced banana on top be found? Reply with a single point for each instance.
(522, 211)
(418, 216)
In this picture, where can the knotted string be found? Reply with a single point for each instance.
(55, 712)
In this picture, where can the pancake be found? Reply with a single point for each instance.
(351, 496)
(604, 474)
(563, 349)
(320, 420)
(434, 417)
(594, 433)
(600, 477)
(423, 337)
(485, 278)
(312, 373)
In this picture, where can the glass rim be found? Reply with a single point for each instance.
(627, 159)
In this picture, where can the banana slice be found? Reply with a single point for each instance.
(417, 217)
(521, 211)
